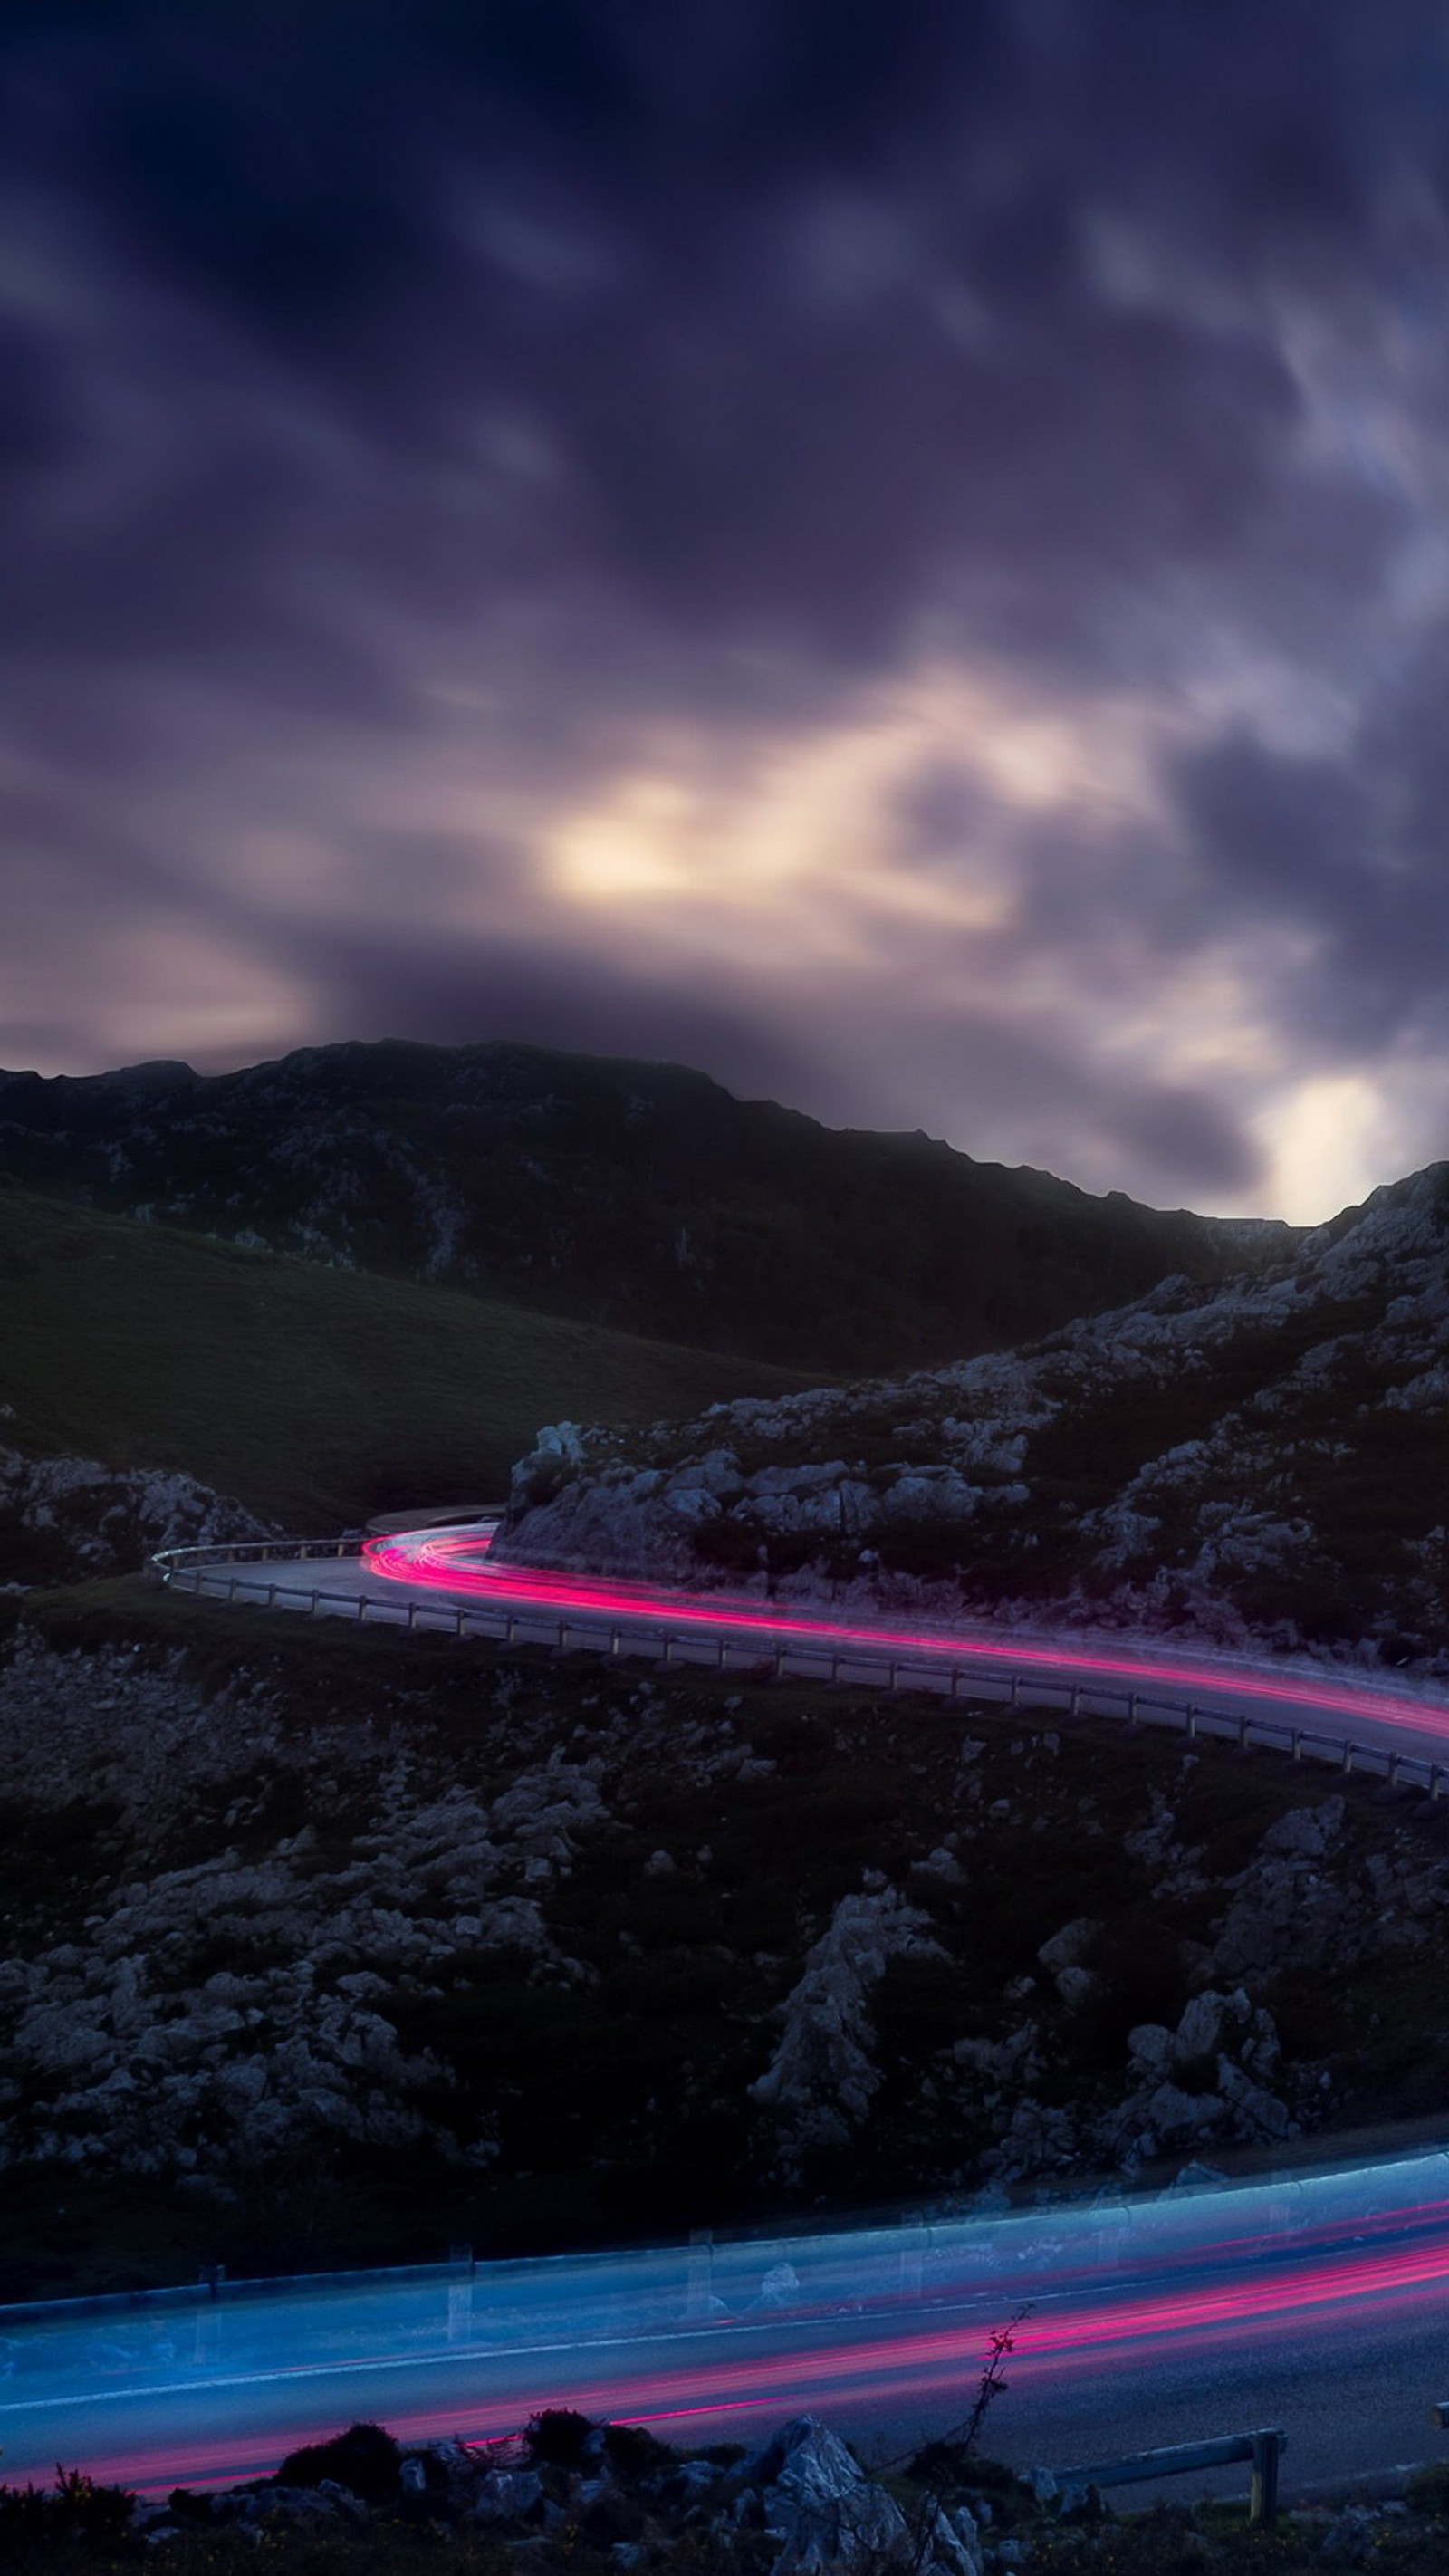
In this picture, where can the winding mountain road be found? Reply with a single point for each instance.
(451, 1577)
(1319, 2300)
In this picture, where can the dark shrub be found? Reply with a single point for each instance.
(77, 2510)
(1428, 2493)
(364, 2459)
(556, 2438)
(632, 2452)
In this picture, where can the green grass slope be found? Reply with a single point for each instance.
(314, 1394)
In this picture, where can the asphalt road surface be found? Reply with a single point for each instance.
(429, 1577)
(1319, 2303)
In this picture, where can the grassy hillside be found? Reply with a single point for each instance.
(313, 1394)
(641, 1196)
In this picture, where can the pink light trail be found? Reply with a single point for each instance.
(461, 1562)
(885, 2370)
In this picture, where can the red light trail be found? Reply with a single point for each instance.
(462, 1562)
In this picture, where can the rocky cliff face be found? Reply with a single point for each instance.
(638, 1195)
(1260, 1460)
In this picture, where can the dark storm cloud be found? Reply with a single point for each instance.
(1349, 853)
(1175, 1137)
(714, 281)
(446, 990)
(377, 379)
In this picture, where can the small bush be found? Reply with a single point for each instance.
(77, 2509)
(1428, 2493)
(556, 2438)
(364, 2459)
(633, 2452)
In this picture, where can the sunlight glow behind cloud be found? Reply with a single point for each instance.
(909, 567)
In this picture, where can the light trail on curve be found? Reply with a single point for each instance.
(877, 2324)
(1324, 2288)
(462, 1562)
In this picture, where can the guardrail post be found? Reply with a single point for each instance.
(1436, 1775)
(913, 2268)
(699, 2273)
(1132, 1719)
(460, 2295)
(779, 1663)
(459, 1623)
(1263, 2493)
(1192, 1716)
(835, 1668)
(1074, 1704)
(1244, 1722)
(1264, 2448)
(1349, 1751)
(667, 1656)
(1392, 1774)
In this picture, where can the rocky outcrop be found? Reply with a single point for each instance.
(1290, 1912)
(819, 2084)
(597, 2495)
(798, 2505)
(63, 1519)
(1205, 1462)
(125, 2050)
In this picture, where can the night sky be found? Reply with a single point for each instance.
(895, 550)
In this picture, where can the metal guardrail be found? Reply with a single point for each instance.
(195, 1569)
(1180, 2459)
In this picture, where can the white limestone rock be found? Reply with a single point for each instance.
(822, 2079)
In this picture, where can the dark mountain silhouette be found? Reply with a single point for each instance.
(642, 1196)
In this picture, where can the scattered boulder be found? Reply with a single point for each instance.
(822, 2078)
(1067, 1948)
(824, 2509)
(1306, 1831)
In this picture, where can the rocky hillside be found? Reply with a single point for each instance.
(641, 1196)
(1260, 1460)
(318, 1947)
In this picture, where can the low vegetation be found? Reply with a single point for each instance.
(423, 1941)
(314, 1395)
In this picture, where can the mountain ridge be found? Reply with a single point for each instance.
(643, 1196)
